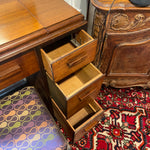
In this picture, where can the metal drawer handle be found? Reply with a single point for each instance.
(76, 60)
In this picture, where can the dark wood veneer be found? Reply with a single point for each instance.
(123, 32)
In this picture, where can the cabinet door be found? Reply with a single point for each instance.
(125, 59)
(131, 59)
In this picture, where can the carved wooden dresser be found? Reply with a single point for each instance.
(123, 32)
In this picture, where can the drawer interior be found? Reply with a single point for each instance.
(79, 79)
(85, 113)
(66, 45)
(82, 121)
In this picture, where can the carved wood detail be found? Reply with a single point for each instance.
(99, 23)
(115, 27)
(105, 60)
(122, 22)
(98, 32)
(127, 82)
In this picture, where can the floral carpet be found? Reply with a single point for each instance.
(125, 124)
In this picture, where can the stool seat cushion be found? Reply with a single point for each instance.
(26, 124)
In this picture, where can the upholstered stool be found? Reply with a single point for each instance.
(26, 124)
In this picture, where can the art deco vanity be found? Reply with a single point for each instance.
(54, 30)
(123, 32)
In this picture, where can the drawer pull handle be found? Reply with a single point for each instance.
(92, 124)
(76, 60)
(6, 73)
(87, 93)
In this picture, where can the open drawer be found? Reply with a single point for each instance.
(70, 92)
(88, 115)
(68, 55)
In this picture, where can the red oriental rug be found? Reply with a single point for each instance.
(125, 124)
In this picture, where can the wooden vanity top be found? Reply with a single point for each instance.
(15, 21)
(49, 12)
(25, 24)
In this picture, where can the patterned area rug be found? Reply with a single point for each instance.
(125, 124)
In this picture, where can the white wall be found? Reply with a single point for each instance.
(80, 5)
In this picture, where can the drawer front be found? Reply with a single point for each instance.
(74, 61)
(62, 119)
(71, 55)
(69, 93)
(17, 69)
(92, 91)
(79, 124)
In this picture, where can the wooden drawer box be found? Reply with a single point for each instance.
(68, 55)
(70, 92)
(81, 122)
